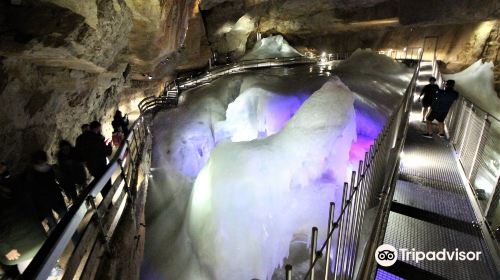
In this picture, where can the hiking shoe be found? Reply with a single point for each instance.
(427, 135)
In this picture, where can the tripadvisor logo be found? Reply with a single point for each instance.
(387, 255)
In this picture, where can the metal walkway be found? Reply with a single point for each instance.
(431, 210)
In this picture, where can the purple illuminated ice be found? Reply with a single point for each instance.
(249, 199)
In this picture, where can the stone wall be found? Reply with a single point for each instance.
(466, 30)
(459, 45)
(62, 64)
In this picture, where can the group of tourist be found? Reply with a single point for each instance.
(36, 196)
(436, 104)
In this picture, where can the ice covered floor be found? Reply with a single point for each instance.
(271, 154)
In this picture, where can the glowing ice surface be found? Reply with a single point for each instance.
(255, 114)
(476, 83)
(271, 47)
(245, 220)
(244, 105)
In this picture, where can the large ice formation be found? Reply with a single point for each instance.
(250, 221)
(256, 112)
(476, 84)
(271, 47)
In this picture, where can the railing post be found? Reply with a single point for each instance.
(331, 216)
(463, 140)
(314, 242)
(350, 226)
(338, 258)
(359, 216)
(288, 272)
(457, 125)
(124, 176)
(100, 225)
(477, 151)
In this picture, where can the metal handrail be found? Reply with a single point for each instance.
(466, 118)
(362, 192)
(368, 263)
(52, 249)
(440, 79)
(128, 154)
(185, 83)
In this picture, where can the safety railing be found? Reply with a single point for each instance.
(370, 186)
(155, 103)
(185, 83)
(83, 235)
(408, 53)
(170, 95)
(474, 134)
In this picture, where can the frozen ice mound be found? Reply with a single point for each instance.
(366, 61)
(248, 200)
(476, 84)
(256, 113)
(271, 47)
(185, 138)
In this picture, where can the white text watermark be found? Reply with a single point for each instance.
(387, 255)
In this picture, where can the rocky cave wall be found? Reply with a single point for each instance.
(65, 62)
(467, 30)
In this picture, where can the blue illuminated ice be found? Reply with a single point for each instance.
(248, 200)
(262, 183)
(256, 113)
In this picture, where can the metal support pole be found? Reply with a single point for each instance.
(100, 225)
(329, 242)
(457, 126)
(338, 257)
(355, 217)
(124, 176)
(314, 242)
(358, 220)
(350, 216)
(462, 141)
(288, 272)
(344, 238)
(477, 151)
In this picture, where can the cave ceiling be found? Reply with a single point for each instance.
(105, 35)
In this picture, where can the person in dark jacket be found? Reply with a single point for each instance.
(96, 150)
(71, 173)
(21, 235)
(429, 92)
(120, 121)
(440, 107)
(44, 190)
(79, 142)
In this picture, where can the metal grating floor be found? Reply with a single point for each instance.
(431, 211)
(434, 198)
(384, 275)
(408, 232)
